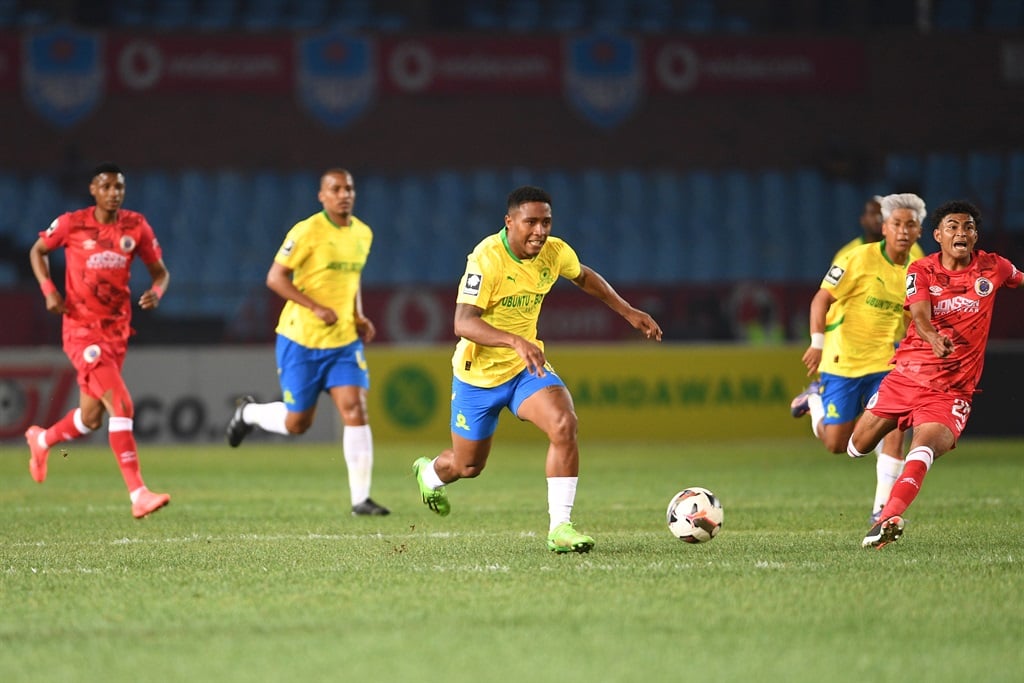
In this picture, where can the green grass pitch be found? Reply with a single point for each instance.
(257, 571)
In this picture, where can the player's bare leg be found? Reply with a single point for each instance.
(552, 410)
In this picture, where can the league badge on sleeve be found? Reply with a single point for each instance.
(834, 275)
(471, 286)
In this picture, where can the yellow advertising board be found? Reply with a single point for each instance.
(621, 391)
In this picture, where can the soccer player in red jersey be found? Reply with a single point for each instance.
(950, 296)
(100, 243)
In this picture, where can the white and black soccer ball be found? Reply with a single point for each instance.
(694, 515)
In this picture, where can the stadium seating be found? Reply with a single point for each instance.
(221, 228)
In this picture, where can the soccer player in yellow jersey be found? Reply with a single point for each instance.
(854, 352)
(321, 332)
(499, 362)
(871, 224)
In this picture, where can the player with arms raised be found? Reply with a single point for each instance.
(499, 362)
(99, 244)
(950, 295)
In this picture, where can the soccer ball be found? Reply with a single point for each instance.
(694, 515)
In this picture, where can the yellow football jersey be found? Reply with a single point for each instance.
(836, 311)
(870, 290)
(327, 262)
(510, 291)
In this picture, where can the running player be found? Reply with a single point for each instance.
(320, 334)
(100, 243)
(950, 296)
(853, 352)
(499, 362)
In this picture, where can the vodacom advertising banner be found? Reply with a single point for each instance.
(629, 391)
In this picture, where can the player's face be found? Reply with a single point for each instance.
(108, 191)
(871, 219)
(528, 227)
(337, 195)
(957, 234)
(901, 230)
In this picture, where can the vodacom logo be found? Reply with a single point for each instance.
(411, 66)
(140, 64)
(676, 67)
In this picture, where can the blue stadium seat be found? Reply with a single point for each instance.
(596, 190)
(698, 16)
(8, 13)
(170, 15)
(652, 16)
(779, 247)
(737, 230)
(523, 16)
(631, 191)
(43, 203)
(819, 236)
(1004, 15)
(214, 15)
(263, 15)
(704, 240)
(673, 240)
(130, 13)
(352, 14)
(944, 178)
(12, 198)
(984, 178)
(155, 193)
(306, 14)
(953, 15)
(610, 15)
(566, 15)
(484, 15)
(668, 192)
(1013, 193)
(904, 172)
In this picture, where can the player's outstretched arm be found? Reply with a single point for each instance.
(591, 282)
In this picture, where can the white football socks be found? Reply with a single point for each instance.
(269, 417)
(817, 410)
(561, 496)
(887, 471)
(357, 446)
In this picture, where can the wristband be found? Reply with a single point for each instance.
(156, 290)
(48, 287)
(817, 340)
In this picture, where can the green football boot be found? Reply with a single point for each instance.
(565, 539)
(435, 499)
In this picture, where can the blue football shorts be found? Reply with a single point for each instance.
(475, 410)
(844, 398)
(304, 372)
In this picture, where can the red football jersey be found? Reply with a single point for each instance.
(962, 303)
(98, 260)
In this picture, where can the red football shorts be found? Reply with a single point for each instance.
(912, 404)
(97, 362)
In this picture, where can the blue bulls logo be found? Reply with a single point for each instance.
(337, 77)
(62, 74)
(604, 77)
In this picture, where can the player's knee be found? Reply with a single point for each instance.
(564, 428)
(835, 443)
(298, 426)
(92, 417)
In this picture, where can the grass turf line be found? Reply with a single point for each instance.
(257, 571)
